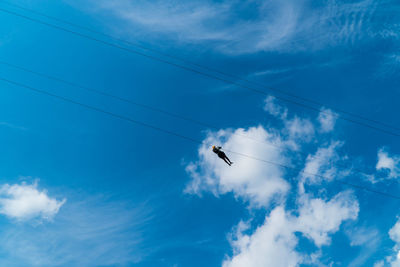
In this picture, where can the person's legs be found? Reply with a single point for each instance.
(227, 161)
(224, 157)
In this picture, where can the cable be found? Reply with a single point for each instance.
(317, 175)
(162, 111)
(204, 67)
(121, 117)
(192, 70)
(98, 109)
(103, 93)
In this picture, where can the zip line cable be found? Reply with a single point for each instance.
(317, 175)
(65, 99)
(128, 119)
(204, 67)
(216, 71)
(192, 70)
(103, 93)
(162, 111)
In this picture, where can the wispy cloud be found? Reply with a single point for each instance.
(368, 239)
(327, 119)
(393, 259)
(236, 27)
(390, 64)
(274, 109)
(90, 231)
(12, 126)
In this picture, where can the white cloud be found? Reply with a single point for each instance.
(327, 119)
(395, 262)
(273, 25)
(394, 259)
(169, 17)
(394, 232)
(300, 129)
(274, 72)
(372, 178)
(368, 239)
(295, 128)
(249, 179)
(274, 243)
(319, 218)
(389, 163)
(322, 164)
(24, 202)
(391, 62)
(274, 109)
(89, 231)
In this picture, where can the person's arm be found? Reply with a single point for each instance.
(219, 147)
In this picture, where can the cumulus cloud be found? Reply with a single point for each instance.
(24, 202)
(319, 218)
(388, 163)
(274, 243)
(327, 119)
(272, 26)
(321, 165)
(249, 179)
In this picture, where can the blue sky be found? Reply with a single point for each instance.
(81, 188)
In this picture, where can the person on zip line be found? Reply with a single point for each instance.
(221, 154)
